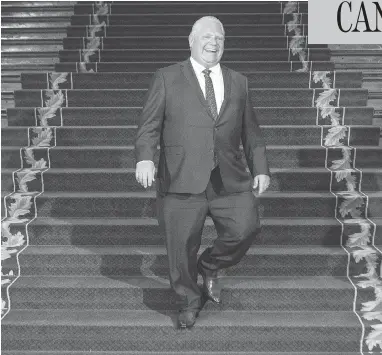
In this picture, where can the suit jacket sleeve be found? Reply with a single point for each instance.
(151, 119)
(253, 141)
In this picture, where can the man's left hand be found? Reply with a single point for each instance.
(262, 181)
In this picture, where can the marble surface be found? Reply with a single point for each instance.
(355, 46)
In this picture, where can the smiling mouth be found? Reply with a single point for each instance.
(211, 50)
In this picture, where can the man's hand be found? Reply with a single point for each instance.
(145, 172)
(262, 181)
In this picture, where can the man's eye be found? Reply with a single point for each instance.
(217, 38)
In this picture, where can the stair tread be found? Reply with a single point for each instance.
(32, 4)
(131, 147)
(6, 30)
(32, 25)
(27, 41)
(151, 194)
(294, 108)
(148, 318)
(182, 25)
(247, 73)
(48, 17)
(33, 8)
(132, 170)
(132, 221)
(193, 13)
(251, 89)
(153, 221)
(161, 250)
(134, 3)
(5, 352)
(102, 128)
(237, 282)
(184, 36)
(222, 62)
(225, 50)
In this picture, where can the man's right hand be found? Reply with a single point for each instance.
(145, 172)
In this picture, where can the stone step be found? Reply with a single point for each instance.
(121, 261)
(130, 231)
(276, 293)
(180, 30)
(43, 23)
(143, 204)
(28, 12)
(33, 4)
(126, 116)
(25, 67)
(10, 87)
(31, 45)
(37, 21)
(112, 180)
(137, 80)
(126, 135)
(23, 59)
(30, 42)
(268, 97)
(238, 42)
(162, 18)
(15, 352)
(30, 33)
(187, 7)
(124, 156)
(219, 331)
(171, 54)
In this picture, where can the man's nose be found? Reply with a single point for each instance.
(214, 40)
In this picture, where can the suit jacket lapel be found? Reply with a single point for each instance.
(189, 73)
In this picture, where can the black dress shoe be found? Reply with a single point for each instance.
(187, 318)
(210, 286)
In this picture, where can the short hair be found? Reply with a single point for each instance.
(197, 24)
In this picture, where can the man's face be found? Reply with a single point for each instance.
(207, 45)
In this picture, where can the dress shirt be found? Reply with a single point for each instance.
(217, 81)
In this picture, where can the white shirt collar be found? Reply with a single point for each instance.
(198, 68)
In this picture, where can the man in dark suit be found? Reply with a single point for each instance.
(199, 111)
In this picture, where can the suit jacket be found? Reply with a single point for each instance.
(176, 115)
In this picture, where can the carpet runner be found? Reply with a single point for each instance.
(84, 266)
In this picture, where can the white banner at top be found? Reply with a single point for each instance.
(345, 22)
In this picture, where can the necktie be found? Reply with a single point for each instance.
(210, 97)
(210, 94)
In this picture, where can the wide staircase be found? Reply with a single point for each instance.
(84, 266)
